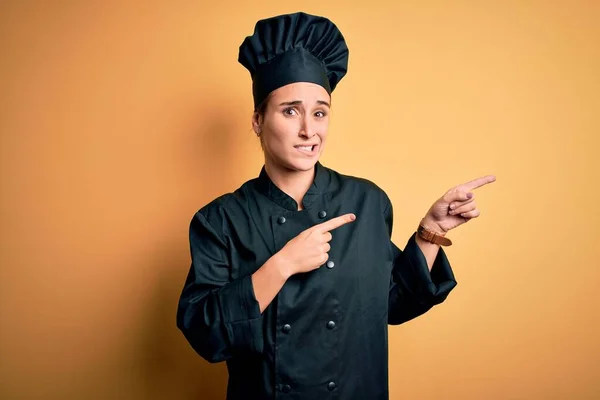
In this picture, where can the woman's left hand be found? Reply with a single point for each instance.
(456, 207)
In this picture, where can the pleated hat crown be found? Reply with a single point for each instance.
(292, 48)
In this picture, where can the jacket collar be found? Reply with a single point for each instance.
(317, 188)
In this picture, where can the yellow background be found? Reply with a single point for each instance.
(119, 121)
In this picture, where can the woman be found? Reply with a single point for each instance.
(294, 277)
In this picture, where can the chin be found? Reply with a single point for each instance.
(301, 165)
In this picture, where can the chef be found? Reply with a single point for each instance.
(294, 277)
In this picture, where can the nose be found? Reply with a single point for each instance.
(308, 128)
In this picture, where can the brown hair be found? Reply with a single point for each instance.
(262, 107)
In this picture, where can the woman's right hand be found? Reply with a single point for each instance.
(308, 250)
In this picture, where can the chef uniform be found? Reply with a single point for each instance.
(324, 336)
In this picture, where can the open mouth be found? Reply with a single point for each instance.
(309, 150)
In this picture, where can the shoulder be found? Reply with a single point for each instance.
(216, 212)
(359, 187)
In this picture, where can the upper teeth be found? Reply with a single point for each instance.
(307, 148)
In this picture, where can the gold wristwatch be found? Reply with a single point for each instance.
(432, 237)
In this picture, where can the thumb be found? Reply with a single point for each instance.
(459, 195)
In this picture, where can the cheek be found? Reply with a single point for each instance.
(323, 131)
(323, 144)
(275, 141)
(281, 132)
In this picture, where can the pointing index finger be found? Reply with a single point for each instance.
(475, 183)
(335, 222)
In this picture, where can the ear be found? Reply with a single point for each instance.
(256, 123)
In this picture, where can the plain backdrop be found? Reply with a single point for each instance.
(119, 120)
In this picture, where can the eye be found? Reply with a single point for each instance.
(320, 114)
(290, 111)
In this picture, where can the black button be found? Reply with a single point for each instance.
(331, 386)
(281, 220)
(286, 328)
(286, 389)
(322, 214)
(330, 264)
(330, 325)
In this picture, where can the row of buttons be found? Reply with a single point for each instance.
(287, 388)
(281, 220)
(287, 328)
(322, 214)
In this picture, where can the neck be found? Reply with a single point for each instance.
(293, 183)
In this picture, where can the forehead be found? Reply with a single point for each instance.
(304, 91)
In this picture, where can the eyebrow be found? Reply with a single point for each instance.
(296, 102)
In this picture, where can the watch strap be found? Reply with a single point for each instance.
(432, 237)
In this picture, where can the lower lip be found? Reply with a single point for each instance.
(308, 153)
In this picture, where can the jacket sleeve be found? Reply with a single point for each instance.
(218, 316)
(413, 288)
